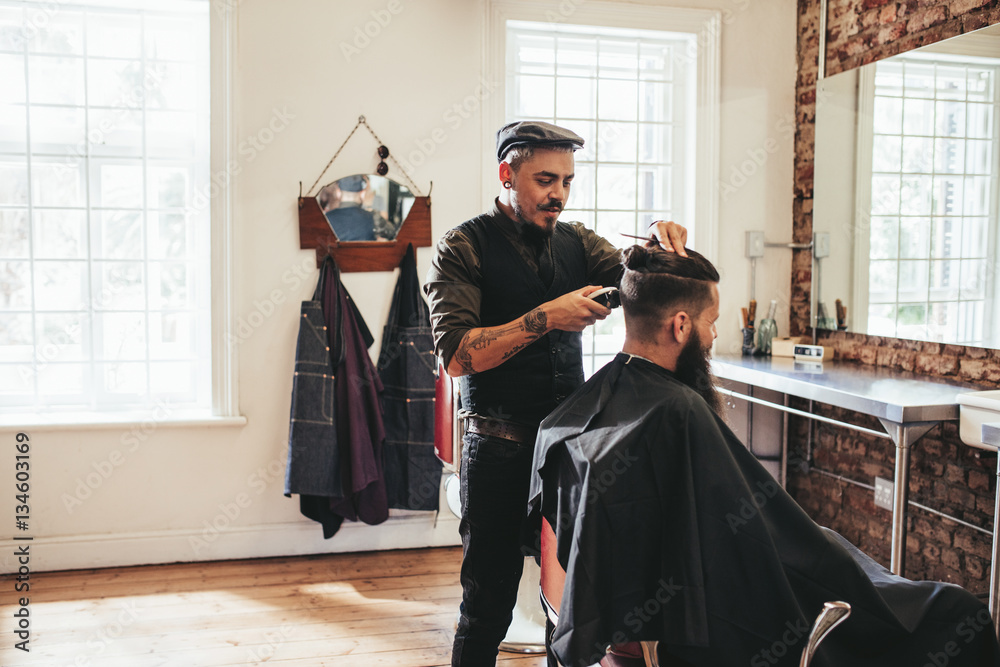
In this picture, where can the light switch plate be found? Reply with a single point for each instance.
(755, 244)
(821, 245)
(883, 493)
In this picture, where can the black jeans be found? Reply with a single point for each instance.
(495, 475)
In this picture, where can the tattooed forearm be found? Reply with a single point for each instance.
(535, 322)
(492, 346)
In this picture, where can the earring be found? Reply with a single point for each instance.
(506, 184)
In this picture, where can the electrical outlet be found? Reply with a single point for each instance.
(883, 493)
(755, 244)
(821, 244)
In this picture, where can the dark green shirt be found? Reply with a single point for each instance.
(452, 285)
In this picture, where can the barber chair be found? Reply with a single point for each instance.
(526, 633)
(644, 654)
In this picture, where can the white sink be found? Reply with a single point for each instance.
(977, 408)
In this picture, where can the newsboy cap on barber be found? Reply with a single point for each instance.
(534, 133)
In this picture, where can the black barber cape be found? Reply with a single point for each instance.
(670, 530)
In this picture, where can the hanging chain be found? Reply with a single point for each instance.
(361, 121)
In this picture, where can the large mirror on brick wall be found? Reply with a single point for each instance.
(905, 206)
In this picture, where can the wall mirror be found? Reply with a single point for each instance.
(365, 222)
(905, 195)
(363, 207)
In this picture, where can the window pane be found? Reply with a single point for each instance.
(122, 336)
(950, 83)
(945, 236)
(915, 195)
(918, 154)
(57, 130)
(117, 234)
(115, 132)
(115, 185)
(888, 115)
(974, 274)
(582, 192)
(612, 224)
(616, 100)
(12, 77)
(61, 337)
(944, 280)
(57, 183)
(60, 285)
(61, 379)
(56, 80)
(14, 233)
(980, 121)
(918, 117)
(949, 156)
(12, 32)
(913, 280)
(886, 153)
(577, 56)
(172, 378)
(617, 141)
(654, 143)
(655, 101)
(535, 96)
(884, 238)
(13, 181)
(882, 282)
(977, 195)
(171, 284)
(654, 188)
(885, 195)
(950, 121)
(947, 195)
(13, 128)
(170, 38)
(118, 285)
(974, 237)
(618, 59)
(171, 234)
(60, 234)
(15, 339)
(172, 134)
(55, 32)
(125, 379)
(617, 186)
(914, 237)
(114, 35)
(576, 98)
(169, 187)
(979, 157)
(15, 285)
(172, 336)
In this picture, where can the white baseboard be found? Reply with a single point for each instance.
(403, 530)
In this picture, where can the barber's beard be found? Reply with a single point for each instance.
(694, 369)
(532, 232)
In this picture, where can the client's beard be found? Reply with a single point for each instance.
(695, 370)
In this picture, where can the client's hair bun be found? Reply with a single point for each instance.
(635, 258)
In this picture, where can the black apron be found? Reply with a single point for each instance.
(406, 367)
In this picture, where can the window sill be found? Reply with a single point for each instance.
(96, 421)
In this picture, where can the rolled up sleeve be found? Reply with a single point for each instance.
(453, 293)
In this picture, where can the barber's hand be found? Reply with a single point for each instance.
(672, 237)
(574, 311)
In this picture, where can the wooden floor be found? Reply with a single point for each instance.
(393, 608)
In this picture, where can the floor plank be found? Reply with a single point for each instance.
(342, 610)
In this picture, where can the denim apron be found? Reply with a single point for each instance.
(313, 455)
(407, 367)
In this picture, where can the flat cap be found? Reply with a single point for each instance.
(534, 133)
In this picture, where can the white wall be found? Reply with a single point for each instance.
(171, 482)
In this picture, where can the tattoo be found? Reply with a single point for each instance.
(481, 341)
(535, 322)
(463, 358)
(514, 350)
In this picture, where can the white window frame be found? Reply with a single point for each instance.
(705, 25)
(224, 410)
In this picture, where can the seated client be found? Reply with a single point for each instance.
(669, 530)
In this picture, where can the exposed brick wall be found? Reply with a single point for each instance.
(946, 474)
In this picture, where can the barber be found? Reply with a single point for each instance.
(509, 295)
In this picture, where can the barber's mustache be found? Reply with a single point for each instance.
(552, 205)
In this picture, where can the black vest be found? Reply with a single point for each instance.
(526, 387)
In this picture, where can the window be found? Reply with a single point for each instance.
(933, 139)
(631, 94)
(104, 216)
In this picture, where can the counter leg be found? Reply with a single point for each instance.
(994, 578)
(903, 435)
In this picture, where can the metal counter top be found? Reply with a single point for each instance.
(899, 396)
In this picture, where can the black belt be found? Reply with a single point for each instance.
(501, 429)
